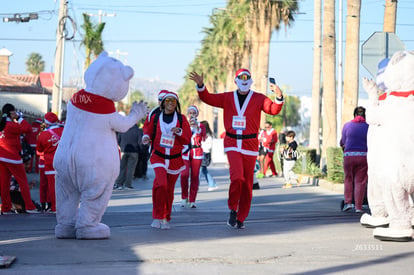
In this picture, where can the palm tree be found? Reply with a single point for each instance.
(315, 122)
(35, 64)
(390, 16)
(351, 73)
(328, 71)
(266, 16)
(92, 39)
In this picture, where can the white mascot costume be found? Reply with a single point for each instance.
(394, 115)
(87, 159)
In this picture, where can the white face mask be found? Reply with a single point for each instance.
(243, 85)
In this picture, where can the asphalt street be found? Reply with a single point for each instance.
(289, 231)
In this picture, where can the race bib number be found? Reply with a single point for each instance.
(239, 123)
(167, 141)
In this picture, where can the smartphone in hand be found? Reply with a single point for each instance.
(272, 80)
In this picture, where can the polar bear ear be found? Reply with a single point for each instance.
(103, 54)
(127, 73)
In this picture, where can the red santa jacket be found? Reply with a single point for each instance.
(241, 124)
(167, 148)
(32, 135)
(195, 150)
(10, 144)
(47, 143)
(268, 139)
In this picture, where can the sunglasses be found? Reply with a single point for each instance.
(244, 77)
(172, 100)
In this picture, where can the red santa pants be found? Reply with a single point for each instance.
(17, 170)
(193, 165)
(51, 195)
(241, 185)
(268, 162)
(163, 193)
(43, 194)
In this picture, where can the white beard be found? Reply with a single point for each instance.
(243, 85)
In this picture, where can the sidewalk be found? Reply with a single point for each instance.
(289, 231)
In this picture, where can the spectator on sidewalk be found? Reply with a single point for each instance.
(207, 145)
(354, 145)
(290, 156)
(129, 144)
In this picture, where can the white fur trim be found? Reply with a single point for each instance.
(200, 89)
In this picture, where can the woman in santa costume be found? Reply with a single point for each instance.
(192, 156)
(241, 114)
(47, 143)
(268, 138)
(168, 131)
(12, 126)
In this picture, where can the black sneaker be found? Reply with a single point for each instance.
(256, 186)
(232, 219)
(240, 225)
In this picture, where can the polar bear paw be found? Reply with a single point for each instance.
(370, 87)
(373, 222)
(98, 232)
(63, 231)
(140, 108)
(393, 235)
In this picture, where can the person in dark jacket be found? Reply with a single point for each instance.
(129, 145)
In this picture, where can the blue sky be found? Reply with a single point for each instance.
(162, 37)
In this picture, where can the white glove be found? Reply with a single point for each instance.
(371, 88)
(20, 114)
(140, 108)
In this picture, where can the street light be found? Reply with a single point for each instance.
(19, 18)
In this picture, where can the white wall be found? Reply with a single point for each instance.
(36, 103)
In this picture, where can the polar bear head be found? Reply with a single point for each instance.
(108, 77)
(399, 73)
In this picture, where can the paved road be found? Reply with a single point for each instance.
(288, 231)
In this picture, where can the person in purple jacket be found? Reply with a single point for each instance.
(354, 145)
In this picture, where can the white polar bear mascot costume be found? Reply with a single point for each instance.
(395, 115)
(87, 159)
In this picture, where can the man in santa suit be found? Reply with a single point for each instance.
(241, 114)
(47, 144)
(168, 131)
(268, 137)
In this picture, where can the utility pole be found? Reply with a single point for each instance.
(59, 58)
(100, 14)
(390, 15)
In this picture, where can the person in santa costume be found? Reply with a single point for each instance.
(268, 138)
(241, 114)
(193, 157)
(47, 143)
(12, 126)
(168, 132)
(32, 140)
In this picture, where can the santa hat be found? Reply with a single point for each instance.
(51, 118)
(161, 94)
(242, 71)
(193, 107)
(170, 94)
(39, 120)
